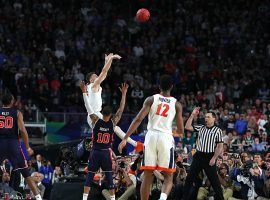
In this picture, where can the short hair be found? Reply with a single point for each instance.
(107, 110)
(213, 114)
(88, 76)
(166, 82)
(7, 99)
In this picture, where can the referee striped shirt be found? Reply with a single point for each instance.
(208, 138)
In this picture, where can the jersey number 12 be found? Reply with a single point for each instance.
(162, 110)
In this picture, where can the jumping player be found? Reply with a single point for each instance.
(11, 123)
(103, 130)
(93, 97)
(159, 142)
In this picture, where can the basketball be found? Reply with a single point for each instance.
(143, 15)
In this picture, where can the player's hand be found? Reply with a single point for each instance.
(124, 88)
(122, 145)
(196, 111)
(108, 57)
(30, 151)
(83, 87)
(212, 162)
(116, 56)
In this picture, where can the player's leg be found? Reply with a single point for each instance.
(18, 161)
(146, 184)
(121, 134)
(149, 163)
(93, 166)
(106, 166)
(166, 162)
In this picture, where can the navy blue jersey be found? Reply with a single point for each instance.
(103, 134)
(9, 123)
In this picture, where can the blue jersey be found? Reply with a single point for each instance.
(103, 134)
(9, 123)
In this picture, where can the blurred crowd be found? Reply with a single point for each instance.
(217, 51)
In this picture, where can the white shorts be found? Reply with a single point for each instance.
(89, 121)
(158, 152)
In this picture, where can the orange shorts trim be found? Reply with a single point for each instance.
(148, 168)
(152, 168)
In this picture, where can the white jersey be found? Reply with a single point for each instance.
(95, 99)
(162, 113)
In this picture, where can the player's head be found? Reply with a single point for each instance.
(166, 83)
(7, 99)
(91, 77)
(107, 111)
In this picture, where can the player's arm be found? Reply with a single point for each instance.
(104, 72)
(140, 116)
(188, 125)
(88, 107)
(179, 118)
(116, 118)
(24, 133)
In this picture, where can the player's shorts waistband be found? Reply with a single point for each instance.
(101, 149)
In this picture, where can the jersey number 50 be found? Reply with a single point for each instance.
(162, 110)
(103, 138)
(6, 122)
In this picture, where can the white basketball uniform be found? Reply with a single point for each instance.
(95, 101)
(159, 142)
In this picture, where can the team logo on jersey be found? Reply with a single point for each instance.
(164, 100)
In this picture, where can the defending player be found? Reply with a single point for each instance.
(103, 130)
(159, 142)
(93, 97)
(11, 123)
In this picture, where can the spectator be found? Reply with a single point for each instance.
(4, 185)
(38, 178)
(241, 125)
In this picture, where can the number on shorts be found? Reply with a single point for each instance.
(6, 122)
(103, 138)
(162, 110)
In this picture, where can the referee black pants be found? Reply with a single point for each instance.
(201, 162)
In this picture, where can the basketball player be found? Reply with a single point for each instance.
(11, 122)
(159, 142)
(94, 99)
(103, 130)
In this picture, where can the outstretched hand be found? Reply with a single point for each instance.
(108, 57)
(124, 88)
(116, 56)
(122, 145)
(83, 87)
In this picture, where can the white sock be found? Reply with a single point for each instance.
(122, 134)
(113, 197)
(85, 196)
(38, 197)
(163, 196)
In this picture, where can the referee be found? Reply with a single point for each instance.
(209, 146)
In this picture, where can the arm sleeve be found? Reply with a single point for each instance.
(197, 127)
(219, 138)
(87, 104)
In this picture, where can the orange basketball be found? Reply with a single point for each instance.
(143, 15)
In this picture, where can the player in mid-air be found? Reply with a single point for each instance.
(103, 130)
(93, 96)
(11, 124)
(159, 142)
